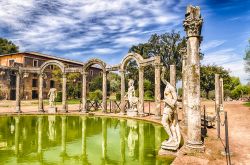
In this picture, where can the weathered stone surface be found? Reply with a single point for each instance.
(193, 25)
(183, 52)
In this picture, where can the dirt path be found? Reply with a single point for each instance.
(239, 131)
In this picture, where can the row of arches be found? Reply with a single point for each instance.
(141, 62)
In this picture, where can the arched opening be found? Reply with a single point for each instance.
(92, 83)
(52, 81)
(134, 61)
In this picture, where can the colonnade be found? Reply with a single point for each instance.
(154, 61)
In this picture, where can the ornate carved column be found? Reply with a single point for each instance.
(173, 75)
(141, 91)
(64, 92)
(40, 90)
(183, 52)
(18, 103)
(193, 25)
(123, 101)
(104, 92)
(84, 92)
(157, 86)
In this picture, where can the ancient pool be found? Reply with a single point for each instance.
(79, 140)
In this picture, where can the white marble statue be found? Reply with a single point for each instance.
(170, 118)
(133, 100)
(132, 137)
(52, 95)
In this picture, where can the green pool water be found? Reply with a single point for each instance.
(79, 140)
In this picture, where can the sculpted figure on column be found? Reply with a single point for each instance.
(133, 100)
(170, 118)
(52, 95)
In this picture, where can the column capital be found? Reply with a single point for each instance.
(193, 21)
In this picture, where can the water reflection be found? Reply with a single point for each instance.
(79, 140)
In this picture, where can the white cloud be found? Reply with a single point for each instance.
(228, 59)
(212, 44)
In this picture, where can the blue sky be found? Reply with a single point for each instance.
(84, 29)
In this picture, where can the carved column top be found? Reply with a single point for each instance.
(193, 21)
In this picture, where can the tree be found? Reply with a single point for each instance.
(7, 47)
(166, 46)
(240, 91)
(208, 75)
(247, 58)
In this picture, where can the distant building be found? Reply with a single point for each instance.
(29, 85)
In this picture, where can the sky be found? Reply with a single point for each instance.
(106, 29)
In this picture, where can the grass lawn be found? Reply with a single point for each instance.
(247, 104)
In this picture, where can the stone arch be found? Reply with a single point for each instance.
(52, 62)
(137, 57)
(64, 82)
(93, 62)
(104, 83)
(139, 60)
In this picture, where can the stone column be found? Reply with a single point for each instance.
(84, 92)
(217, 92)
(157, 86)
(18, 103)
(64, 93)
(141, 91)
(141, 143)
(17, 120)
(40, 97)
(123, 101)
(63, 152)
(104, 139)
(122, 139)
(183, 52)
(173, 75)
(192, 25)
(104, 92)
(39, 136)
(84, 124)
(221, 94)
(157, 140)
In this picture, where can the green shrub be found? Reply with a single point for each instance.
(96, 95)
(180, 91)
(59, 97)
(118, 96)
(148, 94)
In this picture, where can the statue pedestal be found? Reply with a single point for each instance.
(132, 113)
(52, 110)
(172, 145)
(163, 152)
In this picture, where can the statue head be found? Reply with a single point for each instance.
(131, 83)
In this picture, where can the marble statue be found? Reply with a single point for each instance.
(132, 137)
(52, 95)
(133, 100)
(170, 118)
